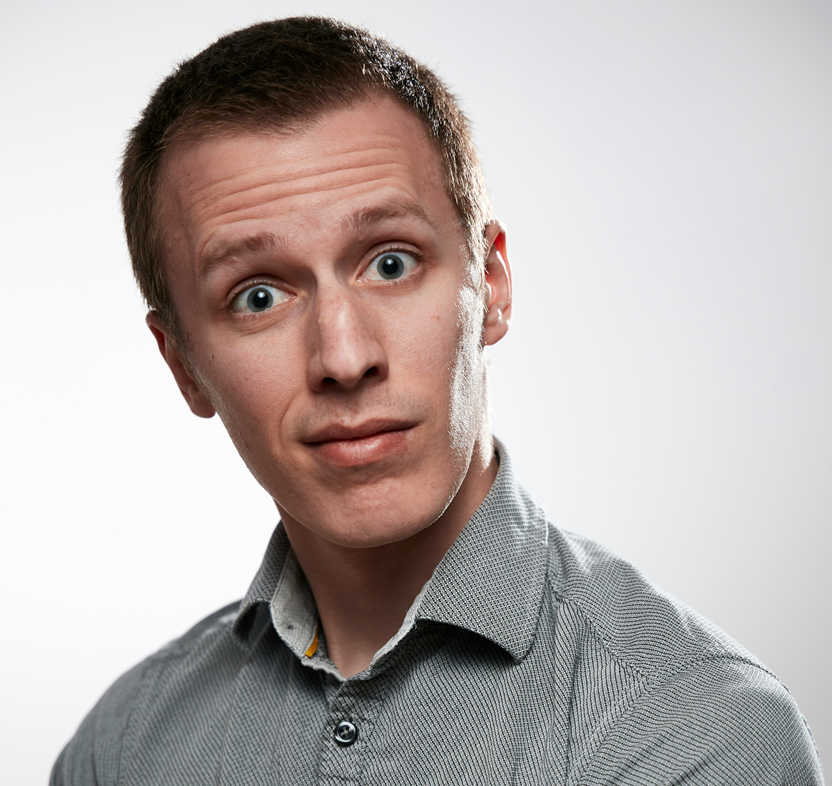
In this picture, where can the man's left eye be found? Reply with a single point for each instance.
(391, 265)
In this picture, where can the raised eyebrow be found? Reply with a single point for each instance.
(365, 218)
(215, 256)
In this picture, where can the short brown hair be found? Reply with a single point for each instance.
(285, 74)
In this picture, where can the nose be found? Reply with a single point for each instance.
(344, 346)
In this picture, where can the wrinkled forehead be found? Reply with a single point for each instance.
(329, 144)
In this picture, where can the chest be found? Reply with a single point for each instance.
(447, 707)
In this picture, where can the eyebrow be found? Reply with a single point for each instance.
(360, 220)
(398, 208)
(224, 251)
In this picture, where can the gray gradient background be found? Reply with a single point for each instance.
(664, 170)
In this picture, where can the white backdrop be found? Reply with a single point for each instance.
(665, 173)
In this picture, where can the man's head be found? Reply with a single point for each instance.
(284, 74)
(335, 314)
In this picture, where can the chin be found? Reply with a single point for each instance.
(378, 528)
(377, 511)
(361, 521)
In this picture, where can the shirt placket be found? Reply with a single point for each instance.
(347, 738)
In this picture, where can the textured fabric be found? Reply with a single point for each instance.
(532, 656)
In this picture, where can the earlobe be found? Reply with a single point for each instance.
(191, 392)
(498, 284)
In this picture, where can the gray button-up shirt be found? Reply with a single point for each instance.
(532, 656)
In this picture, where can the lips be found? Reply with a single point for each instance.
(360, 444)
(368, 428)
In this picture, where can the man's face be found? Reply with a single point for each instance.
(335, 319)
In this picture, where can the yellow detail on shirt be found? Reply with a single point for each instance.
(313, 647)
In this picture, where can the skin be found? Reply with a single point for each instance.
(357, 401)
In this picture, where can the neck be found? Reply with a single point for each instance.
(363, 594)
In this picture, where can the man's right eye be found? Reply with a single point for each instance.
(258, 298)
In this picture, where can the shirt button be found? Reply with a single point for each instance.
(345, 733)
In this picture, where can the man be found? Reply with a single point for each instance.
(308, 223)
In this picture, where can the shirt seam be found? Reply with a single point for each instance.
(653, 674)
(156, 666)
(660, 678)
(600, 635)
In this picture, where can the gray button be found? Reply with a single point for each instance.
(345, 733)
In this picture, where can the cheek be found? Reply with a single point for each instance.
(250, 383)
(443, 351)
(422, 344)
(426, 349)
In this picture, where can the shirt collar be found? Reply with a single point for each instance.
(490, 581)
(281, 587)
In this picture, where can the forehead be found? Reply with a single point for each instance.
(362, 158)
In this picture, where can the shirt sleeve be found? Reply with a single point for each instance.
(718, 722)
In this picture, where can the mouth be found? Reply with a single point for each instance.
(363, 443)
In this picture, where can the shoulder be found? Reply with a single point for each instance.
(637, 622)
(698, 704)
(94, 753)
(718, 721)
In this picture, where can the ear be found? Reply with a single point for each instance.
(196, 399)
(497, 284)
